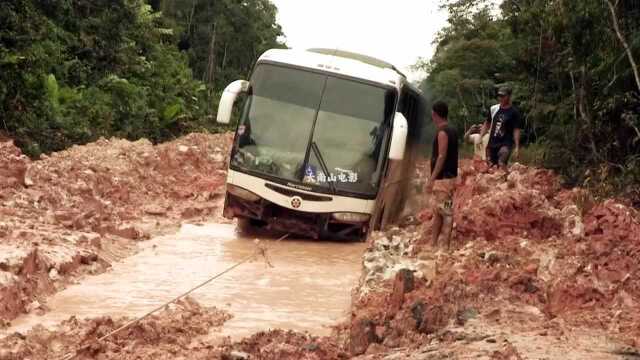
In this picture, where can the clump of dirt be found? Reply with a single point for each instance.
(285, 345)
(604, 283)
(493, 206)
(77, 210)
(13, 166)
(175, 332)
(99, 185)
(524, 249)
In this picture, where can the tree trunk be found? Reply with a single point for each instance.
(623, 41)
(464, 107)
(585, 114)
(211, 65)
(224, 57)
(582, 108)
(575, 95)
(537, 80)
(191, 14)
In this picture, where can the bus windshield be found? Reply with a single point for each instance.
(322, 131)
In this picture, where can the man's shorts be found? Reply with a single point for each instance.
(443, 204)
(442, 198)
(499, 155)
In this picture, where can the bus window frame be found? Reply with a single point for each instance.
(308, 186)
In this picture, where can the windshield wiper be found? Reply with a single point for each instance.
(325, 169)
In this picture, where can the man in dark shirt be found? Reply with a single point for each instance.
(504, 124)
(444, 171)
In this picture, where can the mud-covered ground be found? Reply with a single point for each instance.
(180, 332)
(77, 211)
(536, 271)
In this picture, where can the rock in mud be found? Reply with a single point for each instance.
(287, 345)
(130, 233)
(13, 166)
(508, 352)
(404, 283)
(53, 275)
(156, 210)
(237, 355)
(362, 334)
(464, 315)
(33, 306)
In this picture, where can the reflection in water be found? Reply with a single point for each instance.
(308, 288)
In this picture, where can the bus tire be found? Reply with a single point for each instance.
(249, 226)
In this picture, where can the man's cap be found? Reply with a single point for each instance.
(505, 90)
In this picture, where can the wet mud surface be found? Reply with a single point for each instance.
(305, 285)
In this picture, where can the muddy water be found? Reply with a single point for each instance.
(307, 289)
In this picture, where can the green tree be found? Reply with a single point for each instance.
(242, 31)
(72, 71)
(571, 64)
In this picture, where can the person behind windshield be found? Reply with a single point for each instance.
(244, 134)
(503, 124)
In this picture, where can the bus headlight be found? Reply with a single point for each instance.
(242, 193)
(351, 217)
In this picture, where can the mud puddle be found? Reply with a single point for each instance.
(307, 289)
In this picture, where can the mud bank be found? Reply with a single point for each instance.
(77, 211)
(183, 331)
(530, 260)
(172, 334)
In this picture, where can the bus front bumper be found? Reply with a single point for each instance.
(275, 217)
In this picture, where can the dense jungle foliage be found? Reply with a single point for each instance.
(73, 71)
(573, 75)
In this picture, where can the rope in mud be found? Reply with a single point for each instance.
(260, 251)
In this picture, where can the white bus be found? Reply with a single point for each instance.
(325, 144)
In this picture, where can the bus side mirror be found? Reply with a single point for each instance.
(229, 96)
(398, 137)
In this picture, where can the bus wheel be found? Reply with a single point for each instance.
(249, 226)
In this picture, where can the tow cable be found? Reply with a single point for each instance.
(261, 251)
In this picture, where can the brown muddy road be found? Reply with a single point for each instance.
(307, 289)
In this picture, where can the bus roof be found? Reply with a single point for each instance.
(354, 56)
(339, 62)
